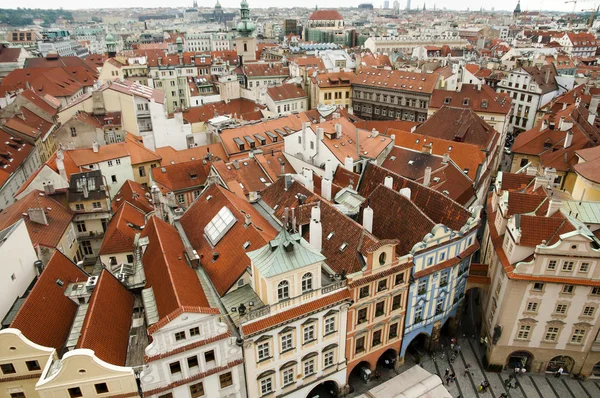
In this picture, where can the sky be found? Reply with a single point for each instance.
(531, 5)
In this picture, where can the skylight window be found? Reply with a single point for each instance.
(219, 225)
(343, 246)
(330, 235)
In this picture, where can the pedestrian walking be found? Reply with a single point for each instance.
(453, 377)
(447, 380)
(559, 372)
(447, 372)
(457, 349)
(517, 370)
(467, 369)
(523, 371)
(452, 346)
(452, 358)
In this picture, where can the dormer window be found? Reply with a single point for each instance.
(466, 102)
(447, 100)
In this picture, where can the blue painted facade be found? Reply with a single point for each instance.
(435, 297)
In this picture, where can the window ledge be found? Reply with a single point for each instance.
(264, 359)
(309, 341)
(330, 333)
(288, 350)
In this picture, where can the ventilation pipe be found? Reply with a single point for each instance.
(388, 182)
(316, 229)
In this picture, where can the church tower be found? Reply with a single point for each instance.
(245, 42)
(111, 46)
(517, 11)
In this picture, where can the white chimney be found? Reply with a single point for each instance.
(326, 189)
(591, 118)
(37, 215)
(427, 176)
(393, 137)
(446, 158)
(320, 132)
(316, 229)
(308, 176)
(60, 165)
(329, 170)
(95, 147)
(349, 163)
(568, 139)
(406, 192)
(553, 206)
(368, 219)
(388, 182)
(156, 201)
(338, 130)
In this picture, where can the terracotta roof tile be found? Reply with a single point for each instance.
(515, 182)
(231, 261)
(320, 304)
(120, 232)
(286, 92)
(522, 202)
(170, 155)
(59, 218)
(480, 100)
(181, 176)
(239, 108)
(133, 193)
(110, 304)
(397, 80)
(174, 282)
(47, 314)
(325, 15)
(138, 152)
(246, 174)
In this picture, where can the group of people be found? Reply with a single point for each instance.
(449, 376)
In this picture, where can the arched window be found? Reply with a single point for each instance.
(283, 290)
(245, 47)
(307, 282)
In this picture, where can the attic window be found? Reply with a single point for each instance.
(219, 225)
(209, 197)
(193, 176)
(330, 235)
(484, 104)
(246, 245)
(447, 100)
(60, 282)
(343, 246)
(436, 179)
(466, 101)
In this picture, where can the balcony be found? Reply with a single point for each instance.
(90, 235)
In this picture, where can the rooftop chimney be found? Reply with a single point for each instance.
(388, 182)
(349, 163)
(368, 219)
(427, 148)
(568, 139)
(553, 207)
(37, 215)
(95, 147)
(329, 170)
(406, 192)
(427, 176)
(446, 158)
(326, 189)
(316, 229)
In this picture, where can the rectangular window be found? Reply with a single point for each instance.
(567, 266)
(363, 292)
(393, 331)
(288, 376)
(418, 314)
(86, 247)
(568, 289)
(524, 331)
(399, 279)
(309, 333)
(286, 342)
(175, 367)
(73, 132)
(209, 356)
(79, 207)
(360, 345)
(197, 390)
(113, 178)
(309, 367)
(179, 336)
(266, 386)
(118, 161)
(578, 336)
(96, 205)
(381, 285)
(361, 315)
(532, 306)
(7, 368)
(444, 279)
(561, 309)
(422, 287)
(379, 309)
(101, 388)
(180, 198)
(32, 365)
(551, 265)
(74, 392)
(328, 359)
(396, 302)
(195, 331)
(551, 334)
(142, 171)
(263, 351)
(193, 361)
(595, 291)
(330, 325)
(538, 286)
(589, 311)
(584, 267)
(110, 163)
(376, 338)
(80, 226)
(225, 380)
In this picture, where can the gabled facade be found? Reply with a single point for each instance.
(296, 339)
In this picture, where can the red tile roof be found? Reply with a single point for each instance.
(515, 182)
(133, 193)
(231, 260)
(312, 307)
(484, 100)
(138, 152)
(105, 329)
(59, 218)
(286, 92)
(181, 176)
(45, 105)
(239, 108)
(397, 80)
(170, 155)
(325, 15)
(120, 232)
(47, 314)
(246, 174)
(174, 283)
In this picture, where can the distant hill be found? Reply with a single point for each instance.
(25, 16)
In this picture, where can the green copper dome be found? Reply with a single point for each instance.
(245, 27)
(218, 5)
(109, 38)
